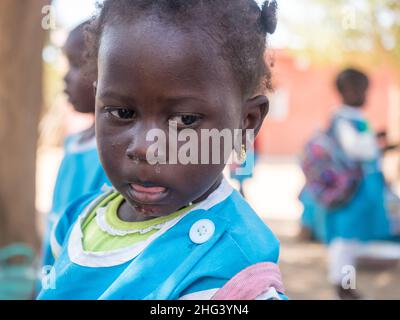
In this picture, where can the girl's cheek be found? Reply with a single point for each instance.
(112, 162)
(105, 127)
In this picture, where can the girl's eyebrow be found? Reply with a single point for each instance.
(179, 99)
(109, 94)
(171, 100)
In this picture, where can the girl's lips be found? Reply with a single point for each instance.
(139, 188)
(147, 195)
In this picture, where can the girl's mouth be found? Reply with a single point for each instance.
(147, 194)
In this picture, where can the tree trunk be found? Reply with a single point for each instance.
(21, 42)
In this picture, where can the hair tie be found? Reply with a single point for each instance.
(268, 16)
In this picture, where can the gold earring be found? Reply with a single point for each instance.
(243, 154)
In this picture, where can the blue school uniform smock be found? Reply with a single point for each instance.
(313, 217)
(171, 264)
(80, 173)
(364, 217)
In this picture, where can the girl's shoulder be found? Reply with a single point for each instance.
(235, 228)
(248, 231)
(69, 217)
(241, 240)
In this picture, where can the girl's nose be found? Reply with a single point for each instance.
(137, 152)
(142, 144)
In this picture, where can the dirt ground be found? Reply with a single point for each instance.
(303, 266)
(273, 194)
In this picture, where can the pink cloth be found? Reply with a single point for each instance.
(251, 282)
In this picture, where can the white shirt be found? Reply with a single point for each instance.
(358, 146)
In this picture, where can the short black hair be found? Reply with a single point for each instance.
(80, 31)
(239, 27)
(80, 28)
(351, 77)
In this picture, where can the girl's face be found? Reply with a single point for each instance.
(78, 85)
(150, 75)
(355, 94)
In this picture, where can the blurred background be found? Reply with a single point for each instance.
(315, 39)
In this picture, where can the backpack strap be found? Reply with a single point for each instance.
(251, 282)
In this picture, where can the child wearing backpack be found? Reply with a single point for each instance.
(344, 197)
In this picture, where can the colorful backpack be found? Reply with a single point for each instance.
(331, 177)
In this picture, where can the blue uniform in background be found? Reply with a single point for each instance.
(313, 217)
(365, 217)
(80, 173)
(174, 263)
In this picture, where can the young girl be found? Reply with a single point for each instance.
(80, 171)
(170, 231)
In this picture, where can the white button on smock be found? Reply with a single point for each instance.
(202, 231)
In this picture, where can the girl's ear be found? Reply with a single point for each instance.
(254, 113)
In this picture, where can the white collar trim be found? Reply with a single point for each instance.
(76, 147)
(104, 226)
(350, 112)
(116, 257)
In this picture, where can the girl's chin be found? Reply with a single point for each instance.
(149, 205)
(149, 211)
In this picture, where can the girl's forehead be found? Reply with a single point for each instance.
(148, 39)
(160, 53)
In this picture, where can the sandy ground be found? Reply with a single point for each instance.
(273, 194)
(303, 266)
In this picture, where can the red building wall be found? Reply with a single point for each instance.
(309, 94)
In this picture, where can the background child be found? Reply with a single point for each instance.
(80, 171)
(363, 218)
(170, 231)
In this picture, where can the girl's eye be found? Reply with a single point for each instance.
(121, 113)
(185, 120)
